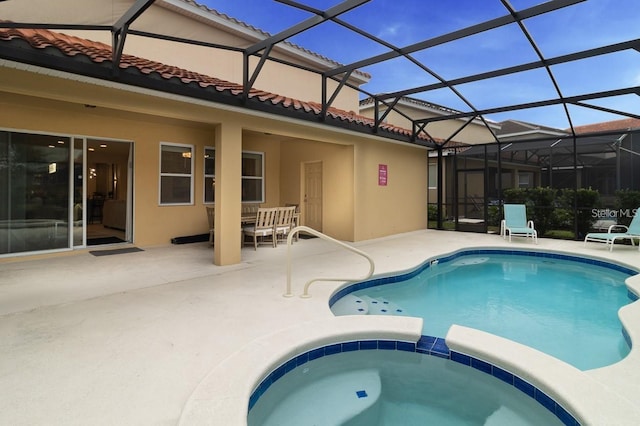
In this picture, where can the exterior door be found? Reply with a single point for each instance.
(108, 191)
(313, 195)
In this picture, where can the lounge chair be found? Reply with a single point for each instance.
(515, 223)
(617, 232)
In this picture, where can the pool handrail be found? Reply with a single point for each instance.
(305, 294)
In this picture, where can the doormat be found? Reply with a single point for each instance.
(104, 240)
(115, 251)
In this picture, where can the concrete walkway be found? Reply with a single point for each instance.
(125, 339)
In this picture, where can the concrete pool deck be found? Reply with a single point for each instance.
(126, 339)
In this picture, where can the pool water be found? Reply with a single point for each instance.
(564, 308)
(389, 388)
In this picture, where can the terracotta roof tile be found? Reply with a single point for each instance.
(625, 124)
(99, 52)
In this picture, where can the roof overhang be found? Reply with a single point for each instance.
(137, 83)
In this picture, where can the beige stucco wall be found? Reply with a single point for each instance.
(337, 185)
(401, 205)
(153, 224)
(219, 63)
(354, 206)
(475, 132)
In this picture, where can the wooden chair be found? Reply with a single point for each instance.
(284, 222)
(210, 216)
(296, 217)
(263, 227)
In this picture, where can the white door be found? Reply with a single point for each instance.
(313, 195)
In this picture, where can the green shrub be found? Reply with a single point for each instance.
(627, 201)
(432, 212)
(495, 216)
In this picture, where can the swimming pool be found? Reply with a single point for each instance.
(391, 383)
(562, 305)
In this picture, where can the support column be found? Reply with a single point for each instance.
(228, 190)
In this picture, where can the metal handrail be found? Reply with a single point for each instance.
(318, 234)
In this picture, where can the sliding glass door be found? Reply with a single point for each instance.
(35, 178)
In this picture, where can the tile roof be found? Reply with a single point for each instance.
(625, 124)
(55, 43)
(265, 34)
(508, 127)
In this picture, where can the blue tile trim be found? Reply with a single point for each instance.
(403, 276)
(426, 345)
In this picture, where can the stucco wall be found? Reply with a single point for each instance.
(475, 132)
(337, 185)
(354, 206)
(153, 224)
(401, 205)
(223, 64)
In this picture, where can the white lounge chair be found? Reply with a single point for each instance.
(515, 223)
(617, 232)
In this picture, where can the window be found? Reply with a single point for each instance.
(433, 175)
(209, 174)
(525, 179)
(176, 174)
(252, 177)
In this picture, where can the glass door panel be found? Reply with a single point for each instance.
(34, 182)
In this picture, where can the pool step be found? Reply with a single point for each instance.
(381, 306)
(503, 416)
(350, 305)
(365, 305)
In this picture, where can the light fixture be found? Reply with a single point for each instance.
(53, 167)
(103, 145)
(92, 149)
(92, 173)
(186, 154)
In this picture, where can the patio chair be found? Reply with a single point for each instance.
(284, 222)
(210, 217)
(515, 223)
(263, 227)
(296, 217)
(617, 232)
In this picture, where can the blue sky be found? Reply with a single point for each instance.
(587, 25)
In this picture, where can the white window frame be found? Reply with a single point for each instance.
(261, 178)
(191, 149)
(206, 175)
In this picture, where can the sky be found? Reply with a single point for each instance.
(586, 25)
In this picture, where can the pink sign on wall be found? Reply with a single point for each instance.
(382, 175)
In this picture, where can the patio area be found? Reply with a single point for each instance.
(126, 339)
